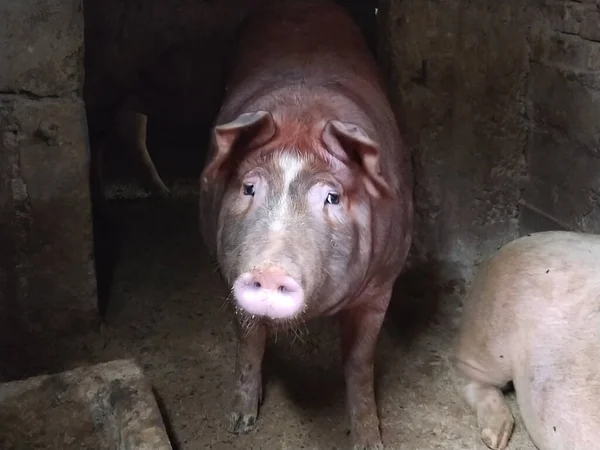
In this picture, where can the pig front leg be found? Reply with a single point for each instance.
(482, 392)
(248, 373)
(359, 332)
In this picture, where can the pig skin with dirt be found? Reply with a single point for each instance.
(306, 197)
(532, 317)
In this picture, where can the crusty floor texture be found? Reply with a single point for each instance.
(168, 312)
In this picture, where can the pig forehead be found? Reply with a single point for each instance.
(290, 165)
(296, 171)
(287, 167)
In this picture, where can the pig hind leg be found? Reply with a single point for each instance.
(359, 332)
(482, 391)
(248, 373)
(132, 128)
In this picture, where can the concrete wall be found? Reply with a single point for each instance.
(457, 73)
(47, 284)
(563, 153)
(499, 101)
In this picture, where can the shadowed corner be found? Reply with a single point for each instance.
(424, 296)
(416, 301)
(107, 251)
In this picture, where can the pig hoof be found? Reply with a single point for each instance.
(496, 435)
(242, 423)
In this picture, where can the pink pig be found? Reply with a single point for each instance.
(307, 195)
(532, 316)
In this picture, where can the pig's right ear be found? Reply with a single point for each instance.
(248, 129)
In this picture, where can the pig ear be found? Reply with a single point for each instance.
(350, 144)
(248, 129)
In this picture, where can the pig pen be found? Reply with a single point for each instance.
(499, 102)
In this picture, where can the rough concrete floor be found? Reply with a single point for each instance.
(168, 311)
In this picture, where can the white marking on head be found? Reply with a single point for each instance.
(276, 226)
(290, 165)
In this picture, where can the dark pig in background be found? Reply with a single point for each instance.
(306, 198)
(153, 58)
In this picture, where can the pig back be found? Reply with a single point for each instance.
(307, 44)
(300, 40)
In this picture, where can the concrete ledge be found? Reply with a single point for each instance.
(45, 210)
(47, 279)
(105, 406)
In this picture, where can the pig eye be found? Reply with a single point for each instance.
(332, 198)
(249, 189)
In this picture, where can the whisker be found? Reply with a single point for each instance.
(226, 300)
(297, 335)
(248, 327)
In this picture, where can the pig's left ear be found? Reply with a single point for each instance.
(350, 144)
(248, 129)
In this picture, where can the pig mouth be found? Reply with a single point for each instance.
(293, 325)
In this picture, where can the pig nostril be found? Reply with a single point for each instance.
(272, 294)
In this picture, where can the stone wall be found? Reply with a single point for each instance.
(500, 103)
(457, 73)
(47, 284)
(563, 153)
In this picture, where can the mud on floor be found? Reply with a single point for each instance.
(168, 311)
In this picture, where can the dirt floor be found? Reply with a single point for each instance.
(168, 311)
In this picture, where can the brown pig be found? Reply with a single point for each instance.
(306, 197)
(532, 317)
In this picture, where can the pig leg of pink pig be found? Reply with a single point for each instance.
(481, 389)
(248, 373)
(359, 333)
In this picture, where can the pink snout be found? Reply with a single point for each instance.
(269, 292)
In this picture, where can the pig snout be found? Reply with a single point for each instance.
(270, 293)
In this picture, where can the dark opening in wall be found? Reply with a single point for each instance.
(180, 83)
